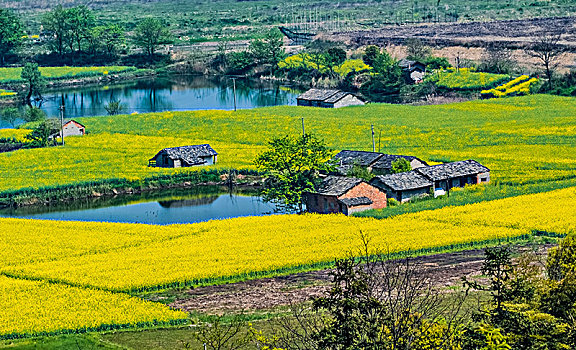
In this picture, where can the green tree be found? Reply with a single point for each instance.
(57, 22)
(110, 39)
(10, 115)
(150, 34)
(401, 165)
(81, 21)
(42, 135)
(33, 77)
(10, 33)
(371, 53)
(335, 57)
(292, 165)
(269, 50)
(417, 50)
(34, 114)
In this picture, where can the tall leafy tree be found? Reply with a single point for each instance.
(81, 21)
(109, 38)
(33, 77)
(292, 165)
(10, 33)
(150, 34)
(57, 22)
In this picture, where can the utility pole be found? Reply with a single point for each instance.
(373, 141)
(303, 129)
(62, 120)
(234, 89)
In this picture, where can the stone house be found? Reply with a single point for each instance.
(185, 156)
(378, 163)
(73, 128)
(403, 186)
(339, 194)
(328, 98)
(457, 174)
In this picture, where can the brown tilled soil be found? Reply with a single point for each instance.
(270, 293)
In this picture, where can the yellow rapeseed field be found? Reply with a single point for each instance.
(521, 139)
(35, 307)
(245, 246)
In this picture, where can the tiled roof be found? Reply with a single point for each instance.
(325, 95)
(337, 185)
(451, 170)
(402, 181)
(189, 154)
(353, 202)
(385, 162)
(361, 158)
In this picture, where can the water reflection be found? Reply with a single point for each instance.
(160, 208)
(168, 93)
(172, 93)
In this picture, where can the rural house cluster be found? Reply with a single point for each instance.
(341, 194)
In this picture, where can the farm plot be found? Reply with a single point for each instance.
(54, 73)
(30, 308)
(521, 139)
(247, 247)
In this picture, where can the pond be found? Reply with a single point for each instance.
(158, 208)
(167, 93)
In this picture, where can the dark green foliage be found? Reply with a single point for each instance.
(9, 144)
(388, 80)
(150, 33)
(57, 23)
(42, 135)
(34, 114)
(417, 50)
(33, 78)
(335, 57)
(108, 39)
(371, 53)
(114, 107)
(360, 172)
(292, 165)
(434, 62)
(10, 115)
(401, 165)
(11, 33)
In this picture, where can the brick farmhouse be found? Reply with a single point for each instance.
(339, 194)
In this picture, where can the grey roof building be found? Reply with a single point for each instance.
(328, 98)
(185, 156)
(337, 185)
(403, 186)
(453, 170)
(378, 163)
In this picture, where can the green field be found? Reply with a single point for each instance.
(523, 140)
(55, 73)
(230, 19)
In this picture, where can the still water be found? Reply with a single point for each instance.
(167, 93)
(160, 208)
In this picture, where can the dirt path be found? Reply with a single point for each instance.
(269, 293)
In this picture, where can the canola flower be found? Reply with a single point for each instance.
(29, 308)
(467, 79)
(521, 139)
(305, 61)
(224, 249)
(520, 86)
(4, 93)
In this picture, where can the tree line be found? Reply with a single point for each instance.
(74, 31)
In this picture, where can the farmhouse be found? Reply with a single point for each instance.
(185, 156)
(456, 174)
(339, 194)
(378, 163)
(403, 186)
(414, 69)
(73, 128)
(328, 98)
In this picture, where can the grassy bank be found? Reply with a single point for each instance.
(12, 75)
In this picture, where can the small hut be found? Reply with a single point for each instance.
(185, 156)
(328, 98)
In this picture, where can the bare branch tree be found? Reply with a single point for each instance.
(547, 49)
